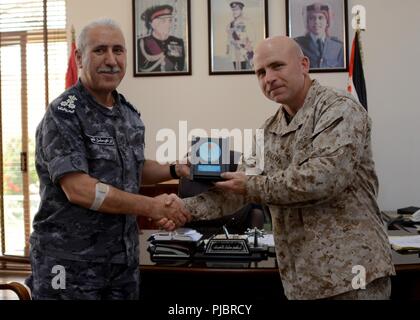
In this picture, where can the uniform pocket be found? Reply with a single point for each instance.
(104, 163)
(136, 136)
(104, 152)
(326, 124)
(303, 155)
(139, 152)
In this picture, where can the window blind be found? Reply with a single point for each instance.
(33, 61)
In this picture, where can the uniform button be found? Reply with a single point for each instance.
(77, 162)
(121, 140)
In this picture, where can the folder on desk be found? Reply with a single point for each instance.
(181, 234)
(181, 244)
(405, 242)
(169, 250)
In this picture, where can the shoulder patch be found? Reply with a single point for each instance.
(337, 101)
(68, 105)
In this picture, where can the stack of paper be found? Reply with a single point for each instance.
(405, 242)
(181, 234)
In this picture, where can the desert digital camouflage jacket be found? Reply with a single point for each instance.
(320, 185)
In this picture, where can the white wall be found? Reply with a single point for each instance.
(391, 51)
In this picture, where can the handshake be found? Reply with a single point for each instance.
(169, 212)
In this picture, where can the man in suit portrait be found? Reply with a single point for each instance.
(159, 51)
(323, 50)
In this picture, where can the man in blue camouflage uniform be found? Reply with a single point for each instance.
(90, 136)
(322, 50)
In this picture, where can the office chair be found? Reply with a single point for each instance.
(249, 216)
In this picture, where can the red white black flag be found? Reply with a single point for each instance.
(71, 74)
(357, 85)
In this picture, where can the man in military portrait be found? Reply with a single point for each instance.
(159, 51)
(240, 38)
(323, 50)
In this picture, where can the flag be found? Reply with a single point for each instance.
(357, 85)
(71, 74)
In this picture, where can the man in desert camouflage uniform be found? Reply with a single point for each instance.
(319, 182)
(91, 135)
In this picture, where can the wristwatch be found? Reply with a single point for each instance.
(172, 170)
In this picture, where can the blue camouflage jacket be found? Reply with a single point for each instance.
(77, 134)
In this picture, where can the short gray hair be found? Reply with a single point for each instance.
(104, 22)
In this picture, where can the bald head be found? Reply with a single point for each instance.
(282, 70)
(282, 44)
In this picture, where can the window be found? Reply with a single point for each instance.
(33, 62)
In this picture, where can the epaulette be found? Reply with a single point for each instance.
(128, 104)
(335, 99)
(66, 102)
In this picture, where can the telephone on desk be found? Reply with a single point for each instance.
(408, 217)
(413, 213)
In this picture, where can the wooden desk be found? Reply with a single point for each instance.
(406, 285)
(201, 281)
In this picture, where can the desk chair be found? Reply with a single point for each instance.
(18, 288)
(250, 216)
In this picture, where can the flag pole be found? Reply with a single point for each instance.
(72, 74)
(359, 31)
(73, 34)
(356, 82)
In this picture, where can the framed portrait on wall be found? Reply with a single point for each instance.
(320, 28)
(162, 40)
(235, 27)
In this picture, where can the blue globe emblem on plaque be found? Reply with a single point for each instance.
(210, 152)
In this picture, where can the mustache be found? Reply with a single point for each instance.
(109, 70)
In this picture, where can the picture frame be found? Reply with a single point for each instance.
(161, 38)
(321, 30)
(234, 28)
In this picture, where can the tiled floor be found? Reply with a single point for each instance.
(7, 277)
